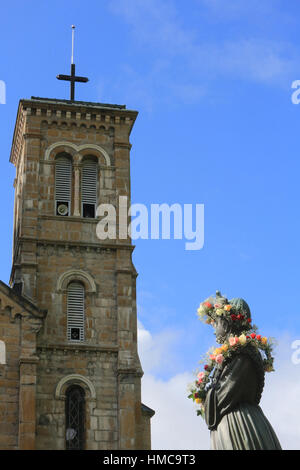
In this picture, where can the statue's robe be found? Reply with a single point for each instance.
(232, 413)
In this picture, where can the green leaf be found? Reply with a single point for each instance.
(200, 413)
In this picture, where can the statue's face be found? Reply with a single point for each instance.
(221, 330)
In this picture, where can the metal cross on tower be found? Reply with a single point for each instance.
(72, 78)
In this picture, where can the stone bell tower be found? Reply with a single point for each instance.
(85, 377)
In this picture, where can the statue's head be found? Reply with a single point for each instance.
(226, 316)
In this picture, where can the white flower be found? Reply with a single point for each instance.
(220, 312)
(242, 339)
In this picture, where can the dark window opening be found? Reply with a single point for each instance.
(75, 416)
(75, 334)
(89, 211)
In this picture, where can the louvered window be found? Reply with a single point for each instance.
(89, 189)
(75, 312)
(63, 186)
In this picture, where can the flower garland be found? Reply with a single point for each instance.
(232, 346)
(210, 312)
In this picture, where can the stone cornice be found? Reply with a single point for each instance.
(31, 135)
(80, 347)
(69, 219)
(131, 272)
(83, 245)
(91, 246)
(124, 371)
(28, 360)
(80, 110)
(89, 104)
(125, 145)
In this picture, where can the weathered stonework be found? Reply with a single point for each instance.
(51, 251)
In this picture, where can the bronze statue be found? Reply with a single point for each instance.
(229, 388)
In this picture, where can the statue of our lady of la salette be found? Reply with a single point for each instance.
(229, 388)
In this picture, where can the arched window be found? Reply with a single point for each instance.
(75, 312)
(2, 353)
(63, 184)
(89, 183)
(75, 417)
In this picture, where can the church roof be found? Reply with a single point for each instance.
(23, 302)
(79, 103)
(147, 410)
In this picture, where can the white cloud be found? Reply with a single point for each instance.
(252, 59)
(280, 401)
(158, 352)
(164, 38)
(175, 424)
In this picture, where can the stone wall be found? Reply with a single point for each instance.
(74, 365)
(9, 382)
(20, 321)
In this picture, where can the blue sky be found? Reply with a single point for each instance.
(212, 83)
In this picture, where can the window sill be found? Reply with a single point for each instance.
(70, 218)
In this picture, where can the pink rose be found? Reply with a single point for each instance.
(200, 377)
(219, 358)
(233, 340)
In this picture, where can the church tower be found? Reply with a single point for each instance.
(72, 299)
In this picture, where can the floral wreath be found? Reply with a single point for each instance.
(233, 311)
